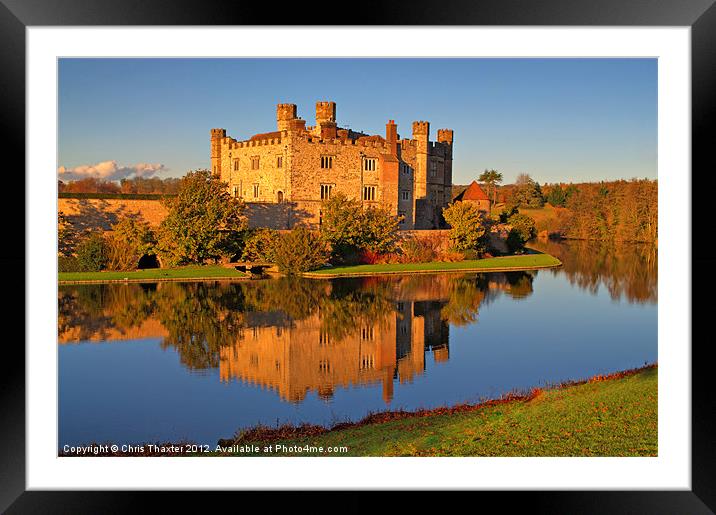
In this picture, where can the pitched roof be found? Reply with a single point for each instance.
(473, 192)
(266, 135)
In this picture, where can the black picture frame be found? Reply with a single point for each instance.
(700, 15)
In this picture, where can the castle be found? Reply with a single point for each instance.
(284, 176)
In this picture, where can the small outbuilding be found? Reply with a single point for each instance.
(476, 195)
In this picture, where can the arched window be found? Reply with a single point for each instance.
(279, 196)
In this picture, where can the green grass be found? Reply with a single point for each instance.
(186, 272)
(613, 417)
(507, 262)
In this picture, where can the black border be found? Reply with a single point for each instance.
(700, 15)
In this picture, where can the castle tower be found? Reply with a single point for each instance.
(326, 120)
(217, 135)
(445, 136)
(325, 112)
(284, 114)
(421, 134)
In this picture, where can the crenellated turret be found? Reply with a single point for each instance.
(217, 135)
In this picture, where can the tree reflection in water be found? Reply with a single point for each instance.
(627, 270)
(291, 334)
(298, 335)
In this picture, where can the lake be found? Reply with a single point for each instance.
(197, 361)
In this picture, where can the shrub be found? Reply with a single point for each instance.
(131, 239)
(260, 245)
(368, 257)
(471, 254)
(121, 255)
(92, 253)
(418, 250)
(451, 256)
(68, 264)
(300, 251)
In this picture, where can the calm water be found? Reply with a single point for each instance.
(197, 361)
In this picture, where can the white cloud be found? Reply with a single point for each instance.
(109, 171)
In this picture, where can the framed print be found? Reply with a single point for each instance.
(417, 253)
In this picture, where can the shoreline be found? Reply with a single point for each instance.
(315, 275)
(154, 280)
(437, 267)
(516, 263)
(393, 421)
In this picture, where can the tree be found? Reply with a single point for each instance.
(380, 230)
(204, 222)
(131, 239)
(301, 250)
(557, 196)
(527, 192)
(348, 228)
(341, 224)
(467, 225)
(92, 253)
(491, 178)
(260, 245)
(523, 229)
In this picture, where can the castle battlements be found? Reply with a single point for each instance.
(412, 177)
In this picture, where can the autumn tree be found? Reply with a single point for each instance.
(522, 230)
(131, 239)
(467, 225)
(527, 192)
(348, 228)
(204, 222)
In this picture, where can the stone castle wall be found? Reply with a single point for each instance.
(101, 214)
(412, 178)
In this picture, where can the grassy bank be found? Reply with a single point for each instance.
(506, 263)
(613, 416)
(154, 274)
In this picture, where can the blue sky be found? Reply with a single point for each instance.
(567, 120)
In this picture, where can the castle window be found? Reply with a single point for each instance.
(279, 162)
(255, 163)
(405, 194)
(405, 169)
(326, 162)
(256, 190)
(370, 164)
(214, 169)
(367, 333)
(401, 217)
(367, 362)
(324, 366)
(368, 192)
(324, 339)
(236, 164)
(236, 191)
(326, 190)
(433, 168)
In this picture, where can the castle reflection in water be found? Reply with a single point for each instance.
(293, 336)
(305, 357)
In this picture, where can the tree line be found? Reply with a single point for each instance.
(135, 185)
(621, 210)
